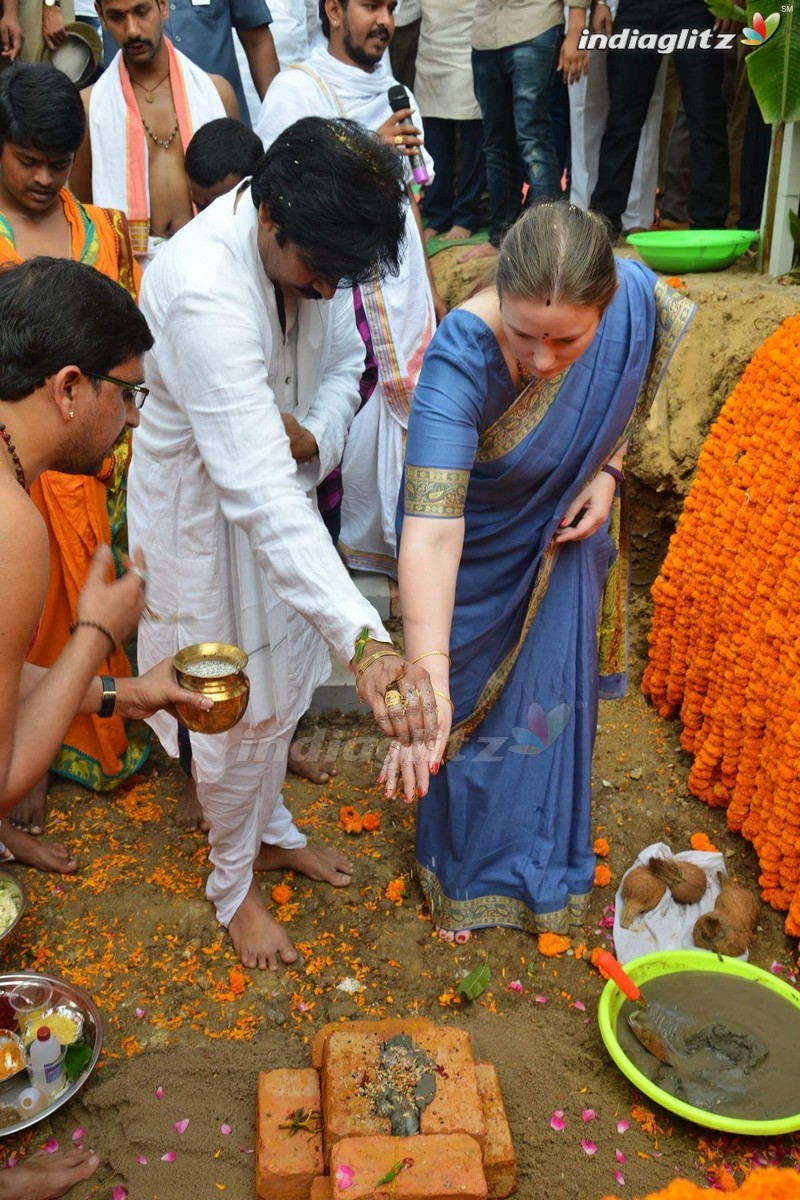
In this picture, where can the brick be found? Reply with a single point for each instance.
(443, 1167)
(321, 1188)
(286, 1165)
(388, 1027)
(457, 1107)
(499, 1159)
(348, 1056)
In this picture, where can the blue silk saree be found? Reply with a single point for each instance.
(539, 630)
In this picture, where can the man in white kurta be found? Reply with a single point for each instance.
(350, 77)
(236, 551)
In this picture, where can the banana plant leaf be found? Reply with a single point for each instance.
(774, 67)
(727, 10)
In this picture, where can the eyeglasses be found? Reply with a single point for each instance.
(132, 393)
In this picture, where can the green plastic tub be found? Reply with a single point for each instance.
(680, 250)
(651, 966)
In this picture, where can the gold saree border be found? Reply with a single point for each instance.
(489, 911)
(435, 492)
(498, 679)
(513, 426)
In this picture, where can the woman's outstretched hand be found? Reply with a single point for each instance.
(588, 511)
(412, 765)
(401, 697)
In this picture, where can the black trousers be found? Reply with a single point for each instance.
(631, 78)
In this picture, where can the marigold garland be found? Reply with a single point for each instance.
(771, 1183)
(701, 841)
(725, 640)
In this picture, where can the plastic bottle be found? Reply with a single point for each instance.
(46, 1062)
(31, 1101)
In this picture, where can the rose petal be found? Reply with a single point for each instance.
(181, 1126)
(515, 986)
(225, 1130)
(540, 999)
(245, 1150)
(303, 1007)
(776, 968)
(51, 1146)
(78, 1135)
(655, 1154)
(620, 1178)
(620, 1157)
(119, 1193)
(141, 1160)
(141, 1012)
(159, 1093)
(581, 1007)
(557, 1121)
(344, 1177)
(588, 1147)
(170, 1156)
(588, 1114)
(623, 1126)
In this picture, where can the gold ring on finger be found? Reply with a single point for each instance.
(392, 698)
(398, 140)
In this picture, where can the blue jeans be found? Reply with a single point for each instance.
(449, 200)
(512, 86)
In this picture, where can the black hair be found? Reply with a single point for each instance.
(56, 313)
(323, 17)
(40, 107)
(222, 147)
(337, 193)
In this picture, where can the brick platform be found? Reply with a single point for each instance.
(463, 1148)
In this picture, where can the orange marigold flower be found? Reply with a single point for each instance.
(602, 875)
(371, 821)
(601, 847)
(674, 281)
(552, 944)
(594, 960)
(281, 893)
(350, 819)
(701, 841)
(396, 890)
(238, 980)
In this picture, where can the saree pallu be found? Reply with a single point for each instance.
(504, 834)
(81, 513)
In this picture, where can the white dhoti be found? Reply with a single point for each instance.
(245, 809)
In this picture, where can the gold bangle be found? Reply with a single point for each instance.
(442, 696)
(428, 654)
(374, 658)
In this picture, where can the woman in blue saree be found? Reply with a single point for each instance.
(512, 585)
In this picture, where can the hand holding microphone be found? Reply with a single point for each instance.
(402, 133)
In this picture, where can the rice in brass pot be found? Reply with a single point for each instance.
(214, 669)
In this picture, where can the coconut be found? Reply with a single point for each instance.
(713, 932)
(686, 882)
(738, 906)
(640, 892)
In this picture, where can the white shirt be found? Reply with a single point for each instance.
(236, 551)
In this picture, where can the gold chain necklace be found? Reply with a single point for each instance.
(149, 92)
(165, 142)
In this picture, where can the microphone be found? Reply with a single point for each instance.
(398, 98)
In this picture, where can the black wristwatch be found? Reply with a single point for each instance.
(109, 700)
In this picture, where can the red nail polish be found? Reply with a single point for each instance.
(381, 779)
(561, 524)
(435, 769)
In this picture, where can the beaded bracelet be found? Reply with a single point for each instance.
(442, 696)
(100, 628)
(428, 654)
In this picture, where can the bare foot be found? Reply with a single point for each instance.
(309, 764)
(486, 250)
(326, 865)
(189, 813)
(457, 234)
(31, 811)
(461, 937)
(43, 1176)
(45, 856)
(429, 234)
(257, 937)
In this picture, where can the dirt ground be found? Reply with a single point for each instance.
(134, 929)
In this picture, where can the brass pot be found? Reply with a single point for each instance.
(230, 691)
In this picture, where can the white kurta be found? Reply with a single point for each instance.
(399, 310)
(235, 549)
(443, 76)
